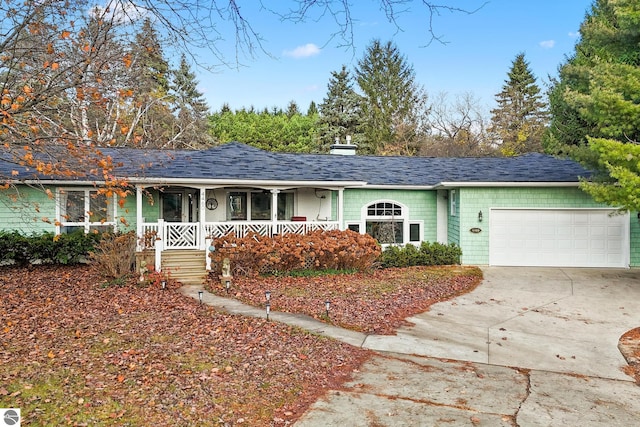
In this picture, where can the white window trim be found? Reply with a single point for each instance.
(420, 224)
(61, 222)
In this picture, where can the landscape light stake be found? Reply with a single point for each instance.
(227, 284)
(267, 295)
(163, 285)
(327, 304)
(268, 308)
(200, 293)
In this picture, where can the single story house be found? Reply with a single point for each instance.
(515, 211)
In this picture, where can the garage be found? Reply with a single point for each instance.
(558, 238)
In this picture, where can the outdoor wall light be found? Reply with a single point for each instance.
(268, 308)
(267, 295)
(200, 293)
(327, 304)
(480, 216)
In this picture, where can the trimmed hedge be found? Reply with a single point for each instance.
(45, 248)
(427, 254)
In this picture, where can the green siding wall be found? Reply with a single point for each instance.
(475, 247)
(27, 209)
(421, 205)
(453, 221)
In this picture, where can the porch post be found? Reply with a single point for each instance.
(201, 219)
(274, 212)
(159, 245)
(340, 209)
(139, 221)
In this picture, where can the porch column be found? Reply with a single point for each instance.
(340, 209)
(201, 218)
(139, 220)
(274, 212)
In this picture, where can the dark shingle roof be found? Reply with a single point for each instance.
(235, 161)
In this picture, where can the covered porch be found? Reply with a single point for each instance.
(185, 216)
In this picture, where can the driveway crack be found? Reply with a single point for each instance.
(527, 393)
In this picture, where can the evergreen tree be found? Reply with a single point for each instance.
(339, 111)
(595, 103)
(191, 109)
(313, 109)
(152, 73)
(292, 109)
(519, 120)
(393, 103)
(598, 89)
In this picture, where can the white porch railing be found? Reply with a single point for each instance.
(189, 235)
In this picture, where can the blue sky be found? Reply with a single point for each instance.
(476, 58)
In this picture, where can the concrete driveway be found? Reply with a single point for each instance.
(528, 347)
(552, 319)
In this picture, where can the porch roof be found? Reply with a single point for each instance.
(242, 163)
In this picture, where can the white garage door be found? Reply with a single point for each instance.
(558, 238)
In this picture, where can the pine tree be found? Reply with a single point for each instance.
(191, 109)
(292, 109)
(595, 103)
(152, 73)
(313, 109)
(597, 92)
(339, 111)
(519, 120)
(393, 103)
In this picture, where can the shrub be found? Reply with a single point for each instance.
(45, 248)
(114, 255)
(427, 254)
(318, 250)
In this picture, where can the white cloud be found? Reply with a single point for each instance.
(304, 51)
(573, 34)
(547, 44)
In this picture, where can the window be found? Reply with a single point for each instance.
(86, 210)
(256, 206)
(237, 206)
(453, 198)
(385, 222)
(354, 227)
(386, 232)
(415, 232)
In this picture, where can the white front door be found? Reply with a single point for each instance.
(559, 238)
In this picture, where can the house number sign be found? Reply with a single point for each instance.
(476, 230)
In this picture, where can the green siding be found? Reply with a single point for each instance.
(421, 205)
(453, 222)
(27, 209)
(475, 247)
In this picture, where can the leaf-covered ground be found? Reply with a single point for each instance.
(76, 352)
(372, 303)
(73, 352)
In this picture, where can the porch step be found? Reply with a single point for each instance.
(186, 266)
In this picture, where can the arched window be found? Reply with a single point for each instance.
(385, 222)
